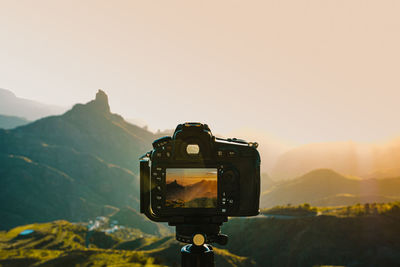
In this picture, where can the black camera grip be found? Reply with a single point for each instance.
(144, 185)
(145, 201)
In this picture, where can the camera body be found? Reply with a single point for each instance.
(194, 176)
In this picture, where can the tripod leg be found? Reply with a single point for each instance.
(197, 256)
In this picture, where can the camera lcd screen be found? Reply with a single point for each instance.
(191, 188)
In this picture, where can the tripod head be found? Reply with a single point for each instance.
(197, 232)
(198, 253)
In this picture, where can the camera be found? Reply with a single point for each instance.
(195, 177)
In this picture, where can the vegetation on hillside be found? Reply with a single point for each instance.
(62, 243)
(367, 235)
(288, 210)
(367, 209)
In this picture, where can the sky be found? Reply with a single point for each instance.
(303, 71)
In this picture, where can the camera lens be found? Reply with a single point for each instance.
(192, 149)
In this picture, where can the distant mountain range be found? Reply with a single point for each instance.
(201, 189)
(74, 166)
(10, 122)
(31, 110)
(379, 160)
(280, 159)
(326, 187)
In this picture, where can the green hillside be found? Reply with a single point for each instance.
(75, 166)
(360, 235)
(64, 244)
(349, 236)
(325, 187)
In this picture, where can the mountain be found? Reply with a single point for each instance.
(9, 122)
(72, 166)
(363, 160)
(12, 105)
(266, 182)
(328, 188)
(92, 128)
(340, 156)
(174, 188)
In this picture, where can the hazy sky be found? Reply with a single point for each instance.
(306, 71)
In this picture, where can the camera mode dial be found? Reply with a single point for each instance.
(160, 142)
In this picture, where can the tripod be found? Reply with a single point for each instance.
(197, 253)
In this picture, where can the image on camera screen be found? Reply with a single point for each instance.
(191, 188)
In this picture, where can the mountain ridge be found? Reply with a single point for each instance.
(365, 160)
(10, 122)
(315, 186)
(12, 105)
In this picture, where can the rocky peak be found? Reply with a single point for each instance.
(101, 101)
(97, 106)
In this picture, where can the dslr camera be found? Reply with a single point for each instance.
(195, 178)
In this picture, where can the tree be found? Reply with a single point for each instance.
(367, 208)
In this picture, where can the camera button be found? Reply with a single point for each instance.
(158, 197)
(231, 154)
(223, 210)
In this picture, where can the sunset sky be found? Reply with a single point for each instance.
(304, 71)
(190, 175)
